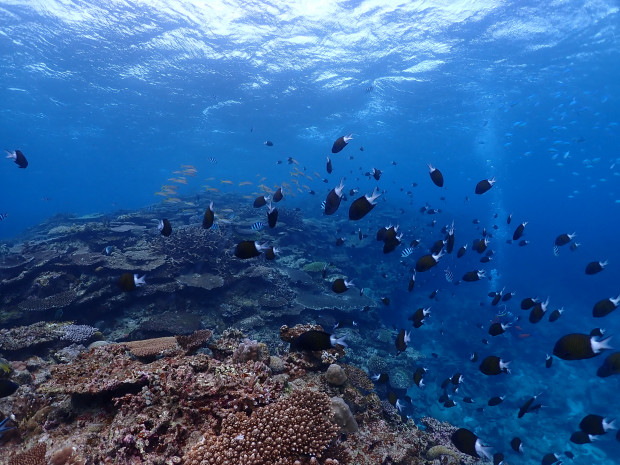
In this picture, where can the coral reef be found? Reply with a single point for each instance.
(108, 407)
(286, 431)
(158, 388)
(33, 456)
(78, 333)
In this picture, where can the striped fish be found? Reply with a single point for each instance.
(323, 205)
(257, 226)
(405, 253)
(3, 216)
(556, 251)
(449, 275)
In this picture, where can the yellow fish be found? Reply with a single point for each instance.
(225, 181)
(245, 183)
(172, 200)
(211, 189)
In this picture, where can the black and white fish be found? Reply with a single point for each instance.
(405, 253)
(18, 157)
(257, 226)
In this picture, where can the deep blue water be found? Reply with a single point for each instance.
(107, 100)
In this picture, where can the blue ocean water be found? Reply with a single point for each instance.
(108, 99)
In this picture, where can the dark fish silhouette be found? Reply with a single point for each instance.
(18, 157)
(209, 217)
(436, 175)
(316, 340)
(341, 143)
(468, 443)
(484, 185)
(164, 227)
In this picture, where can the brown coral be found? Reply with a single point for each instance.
(194, 341)
(67, 456)
(33, 456)
(152, 347)
(278, 434)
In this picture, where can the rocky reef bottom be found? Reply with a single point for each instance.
(197, 400)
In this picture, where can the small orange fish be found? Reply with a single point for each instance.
(225, 181)
(245, 183)
(524, 335)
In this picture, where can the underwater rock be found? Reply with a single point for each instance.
(342, 416)
(335, 375)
